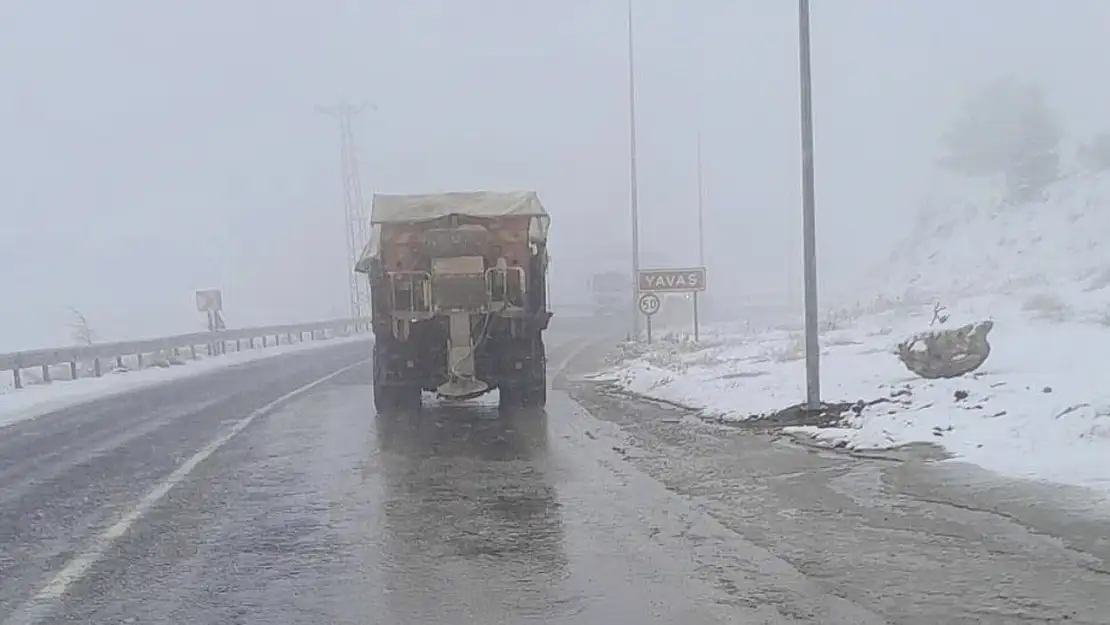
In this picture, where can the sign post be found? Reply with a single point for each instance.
(211, 302)
(683, 280)
(649, 304)
(697, 332)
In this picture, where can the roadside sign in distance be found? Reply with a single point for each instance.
(649, 304)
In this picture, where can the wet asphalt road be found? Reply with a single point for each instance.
(202, 501)
(184, 504)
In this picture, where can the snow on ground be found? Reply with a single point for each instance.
(1033, 410)
(1039, 408)
(39, 399)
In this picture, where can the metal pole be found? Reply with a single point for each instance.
(634, 201)
(813, 354)
(701, 229)
(701, 206)
(697, 328)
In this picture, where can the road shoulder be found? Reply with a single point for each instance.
(911, 538)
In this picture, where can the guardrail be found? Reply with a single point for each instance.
(210, 343)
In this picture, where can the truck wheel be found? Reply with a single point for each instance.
(522, 397)
(530, 391)
(536, 395)
(535, 390)
(507, 399)
(393, 397)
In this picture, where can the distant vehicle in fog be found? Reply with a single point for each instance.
(610, 292)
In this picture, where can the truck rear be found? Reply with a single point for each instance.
(458, 286)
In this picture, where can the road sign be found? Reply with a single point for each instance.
(687, 280)
(649, 304)
(210, 300)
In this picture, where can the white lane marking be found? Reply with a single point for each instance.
(583, 345)
(574, 352)
(35, 610)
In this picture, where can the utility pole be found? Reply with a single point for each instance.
(699, 97)
(634, 201)
(357, 217)
(809, 222)
(701, 229)
(701, 204)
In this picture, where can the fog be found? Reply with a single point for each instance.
(149, 149)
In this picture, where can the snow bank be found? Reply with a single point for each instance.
(1034, 409)
(33, 401)
(1039, 407)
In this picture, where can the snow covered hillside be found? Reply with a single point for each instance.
(967, 242)
(1038, 408)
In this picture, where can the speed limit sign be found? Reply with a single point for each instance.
(649, 304)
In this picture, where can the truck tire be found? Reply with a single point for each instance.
(397, 398)
(535, 396)
(530, 390)
(392, 397)
(523, 396)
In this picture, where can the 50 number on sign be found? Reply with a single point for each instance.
(649, 304)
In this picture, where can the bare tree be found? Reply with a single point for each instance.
(1007, 128)
(80, 329)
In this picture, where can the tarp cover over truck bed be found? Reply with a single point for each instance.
(389, 209)
(415, 208)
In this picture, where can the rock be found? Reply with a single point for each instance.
(961, 395)
(947, 353)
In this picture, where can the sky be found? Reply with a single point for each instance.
(150, 149)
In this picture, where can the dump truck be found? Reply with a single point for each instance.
(459, 297)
